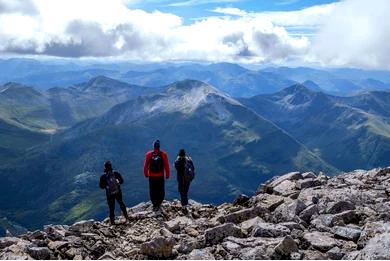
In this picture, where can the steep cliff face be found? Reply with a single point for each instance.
(293, 216)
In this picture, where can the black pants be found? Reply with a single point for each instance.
(156, 190)
(111, 204)
(183, 187)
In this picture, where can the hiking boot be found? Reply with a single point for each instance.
(184, 210)
(156, 208)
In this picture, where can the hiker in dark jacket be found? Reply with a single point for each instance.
(156, 166)
(185, 173)
(111, 181)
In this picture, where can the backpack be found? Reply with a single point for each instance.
(156, 163)
(189, 170)
(112, 183)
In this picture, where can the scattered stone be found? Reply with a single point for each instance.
(347, 233)
(335, 253)
(158, 247)
(269, 230)
(339, 206)
(57, 245)
(309, 175)
(286, 247)
(308, 212)
(217, 234)
(321, 241)
(268, 187)
(201, 254)
(82, 226)
(40, 253)
(8, 241)
(106, 256)
(241, 200)
(314, 255)
(343, 217)
(285, 188)
(248, 225)
(308, 183)
(376, 248)
(243, 215)
(288, 211)
(177, 223)
(268, 201)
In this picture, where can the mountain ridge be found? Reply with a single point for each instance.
(292, 216)
(220, 133)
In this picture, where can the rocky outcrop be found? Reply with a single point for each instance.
(293, 216)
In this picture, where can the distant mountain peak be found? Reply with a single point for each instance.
(103, 83)
(188, 85)
(101, 79)
(19, 89)
(296, 88)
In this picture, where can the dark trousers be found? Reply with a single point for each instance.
(183, 187)
(111, 204)
(156, 190)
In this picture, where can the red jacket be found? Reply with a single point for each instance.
(166, 169)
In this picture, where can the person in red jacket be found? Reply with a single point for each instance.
(156, 166)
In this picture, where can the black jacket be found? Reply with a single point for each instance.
(180, 163)
(103, 180)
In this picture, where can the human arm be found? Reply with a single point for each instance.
(146, 164)
(118, 176)
(102, 182)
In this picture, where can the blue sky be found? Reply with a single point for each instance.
(193, 9)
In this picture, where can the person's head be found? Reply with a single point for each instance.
(107, 166)
(182, 153)
(156, 144)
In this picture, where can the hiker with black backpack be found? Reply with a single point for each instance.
(185, 174)
(111, 181)
(156, 168)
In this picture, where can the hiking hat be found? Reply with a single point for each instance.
(156, 144)
(107, 165)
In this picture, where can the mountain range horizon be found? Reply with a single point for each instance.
(239, 133)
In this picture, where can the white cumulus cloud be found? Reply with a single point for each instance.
(346, 33)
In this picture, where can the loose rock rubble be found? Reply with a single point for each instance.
(293, 216)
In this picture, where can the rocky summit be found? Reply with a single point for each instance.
(293, 216)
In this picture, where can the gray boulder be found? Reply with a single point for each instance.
(308, 212)
(201, 254)
(248, 225)
(320, 240)
(158, 247)
(269, 230)
(309, 175)
(339, 206)
(268, 187)
(347, 233)
(308, 183)
(268, 201)
(40, 253)
(178, 223)
(217, 234)
(82, 226)
(376, 248)
(286, 247)
(8, 241)
(285, 188)
(288, 211)
(243, 215)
